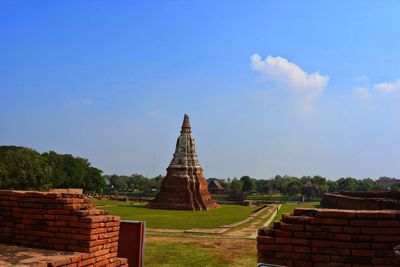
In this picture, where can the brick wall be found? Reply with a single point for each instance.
(361, 201)
(60, 221)
(373, 194)
(329, 237)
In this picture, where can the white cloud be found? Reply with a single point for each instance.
(290, 76)
(388, 87)
(363, 92)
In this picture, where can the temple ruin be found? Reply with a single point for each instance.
(353, 229)
(184, 187)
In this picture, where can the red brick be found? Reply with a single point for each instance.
(332, 228)
(389, 223)
(83, 225)
(343, 244)
(302, 234)
(363, 253)
(332, 221)
(292, 256)
(279, 233)
(292, 241)
(344, 237)
(321, 243)
(380, 231)
(102, 263)
(321, 235)
(363, 222)
(95, 219)
(331, 251)
(101, 252)
(274, 247)
(351, 230)
(57, 212)
(60, 260)
(87, 262)
(377, 214)
(301, 249)
(376, 260)
(265, 239)
(386, 238)
(336, 213)
(291, 227)
(321, 258)
(69, 218)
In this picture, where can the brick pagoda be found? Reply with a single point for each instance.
(184, 187)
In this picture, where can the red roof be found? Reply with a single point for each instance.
(215, 184)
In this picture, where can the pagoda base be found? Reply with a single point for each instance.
(180, 206)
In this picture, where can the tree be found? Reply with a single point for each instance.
(347, 184)
(118, 182)
(23, 169)
(93, 181)
(66, 170)
(248, 184)
(365, 184)
(261, 186)
(294, 187)
(333, 186)
(236, 186)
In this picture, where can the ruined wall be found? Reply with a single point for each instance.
(329, 237)
(373, 194)
(60, 221)
(361, 201)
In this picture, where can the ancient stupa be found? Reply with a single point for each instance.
(184, 187)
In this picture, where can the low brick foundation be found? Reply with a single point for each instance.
(362, 200)
(329, 237)
(60, 221)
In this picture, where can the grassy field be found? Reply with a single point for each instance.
(172, 251)
(176, 219)
(289, 207)
(177, 254)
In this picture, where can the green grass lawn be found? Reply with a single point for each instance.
(289, 207)
(177, 254)
(176, 219)
(191, 251)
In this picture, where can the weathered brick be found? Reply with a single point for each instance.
(335, 213)
(291, 227)
(331, 221)
(292, 241)
(274, 247)
(292, 255)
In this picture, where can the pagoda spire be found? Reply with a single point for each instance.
(184, 187)
(186, 128)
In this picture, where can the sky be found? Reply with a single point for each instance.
(271, 87)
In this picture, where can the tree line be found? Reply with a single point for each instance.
(290, 186)
(133, 183)
(23, 168)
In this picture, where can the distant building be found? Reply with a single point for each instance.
(215, 187)
(309, 191)
(387, 182)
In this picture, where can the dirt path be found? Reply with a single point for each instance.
(249, 230)
(244, 229)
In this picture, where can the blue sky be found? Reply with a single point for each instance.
(283, 87)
